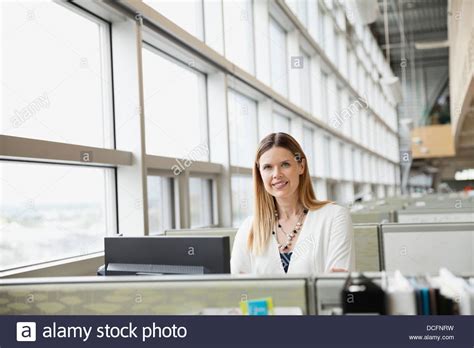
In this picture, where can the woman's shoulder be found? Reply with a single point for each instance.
(244, 230)
(245, 225)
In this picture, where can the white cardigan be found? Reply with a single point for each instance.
(326, 241)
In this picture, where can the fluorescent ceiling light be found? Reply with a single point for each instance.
(430, 45)
(466, 174)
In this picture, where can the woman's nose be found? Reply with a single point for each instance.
(276, 172)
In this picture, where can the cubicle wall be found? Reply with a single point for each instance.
(221, 232)
(433, 215)
(370, 217)
(425, 248)
(367, 240)
(182, 295)
(147, 295)
(328, 292)
(366, 236)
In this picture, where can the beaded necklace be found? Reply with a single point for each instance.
(291, 235)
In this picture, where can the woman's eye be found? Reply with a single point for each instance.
(286, 164)
(266, 167)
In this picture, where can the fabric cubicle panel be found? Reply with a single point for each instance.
(425, 248)
(367, 246)
(433, 215)
(167, 295)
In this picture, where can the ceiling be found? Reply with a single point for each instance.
(411, 21)
(421, 21)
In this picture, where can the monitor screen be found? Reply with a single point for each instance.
(166, 255)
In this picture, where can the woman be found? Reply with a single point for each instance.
(291, 231)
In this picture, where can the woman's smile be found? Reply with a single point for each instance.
(280, 185)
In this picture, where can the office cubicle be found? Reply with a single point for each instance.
(328, 291)
(176, 295)
(367, 240)
(370, 217)
(458, 202)
(434, 215)
(149, 295)
(425, 248)
(375, 215)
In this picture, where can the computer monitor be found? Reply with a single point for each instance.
(425, 248)
(166, 255)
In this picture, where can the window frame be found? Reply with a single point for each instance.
(21, 149)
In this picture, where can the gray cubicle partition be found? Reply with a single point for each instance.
(447, 203)
(328, 291)
(425, 248)
(374, 216)
(149, 295)
(433, 215)
(219, 231)
(368, 244)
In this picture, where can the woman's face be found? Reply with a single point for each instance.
(280, 172)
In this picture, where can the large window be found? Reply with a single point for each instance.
(56, 86)
(238, 31)
(50, 212)
(188, 14)
(278, 60)
(201, 198)
(327, 156)
(56, 79)
(365, 167)
(357, 162)
(242, 198)
(335, 49)
(320, 155)
(161, 204)
(342, 161)
(324, 96)
(242, 129)
(321, 27)
(303, 11)
(175, 95)
(305, 81)
(281, 123)
(300, 8)
(308, 147)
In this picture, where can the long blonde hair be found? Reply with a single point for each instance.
(264, 203)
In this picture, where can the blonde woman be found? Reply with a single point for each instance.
(291, 231)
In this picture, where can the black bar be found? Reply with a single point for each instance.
(240, 331)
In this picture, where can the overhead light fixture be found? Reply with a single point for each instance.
(466, 174)
(362, 11)
(431, 45)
